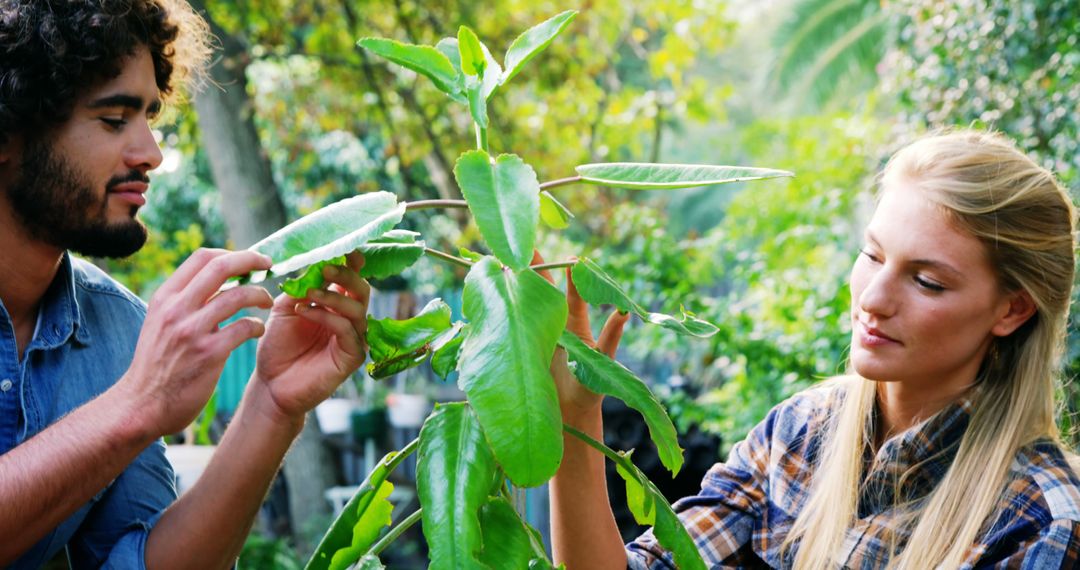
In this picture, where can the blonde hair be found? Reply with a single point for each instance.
(1025, 219)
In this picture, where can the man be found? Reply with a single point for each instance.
(91, 378)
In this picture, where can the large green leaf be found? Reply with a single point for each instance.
(472, 56)
(312, 278)
(366, 530)
(533, 41)
(454, 471)
(645, 176)
(369, 562)
(390, 254)
(507, 540)
(425, 60)
(599, 288)
(397, 345)
(330, 232)
(641, 503)
(668, 529)
(492, 69)
(599, 373)
(352, 522)
(504, 197)
(515, 318)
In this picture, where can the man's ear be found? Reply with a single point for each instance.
(1021, 308)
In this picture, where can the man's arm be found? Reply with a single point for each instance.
(179, 356)
(309, 349)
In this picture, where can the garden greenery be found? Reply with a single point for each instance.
(509, 431)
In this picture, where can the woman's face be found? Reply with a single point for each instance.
(925, 301)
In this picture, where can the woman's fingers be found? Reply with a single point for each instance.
(612, 333)
(578, 319)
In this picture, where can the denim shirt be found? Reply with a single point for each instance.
(84, 343)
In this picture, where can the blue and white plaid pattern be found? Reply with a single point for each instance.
(748, 503)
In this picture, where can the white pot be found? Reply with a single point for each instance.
(407, 410)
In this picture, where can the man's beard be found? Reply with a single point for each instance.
(56, 205)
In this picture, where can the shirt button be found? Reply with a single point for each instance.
(5, 385)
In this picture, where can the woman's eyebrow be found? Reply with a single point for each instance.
(932, 263)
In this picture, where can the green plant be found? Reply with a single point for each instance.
(509, 431)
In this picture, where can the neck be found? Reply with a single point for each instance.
(903, 406)
(27, 268)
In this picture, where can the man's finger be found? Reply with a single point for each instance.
(214, 274)
(239, 332)
(229, 302)
(612, 333)
(188, 269)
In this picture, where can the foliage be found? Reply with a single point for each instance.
(510, 428)
(1013, 66)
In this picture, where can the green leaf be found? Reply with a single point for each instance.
(445, 358)
(644, 176)
(454, 471)
(341, 533)
(515, 320)
(469, 254)
(642, 504)
(507, 541)
(425, 60)
(311, 279)
(532, 42)
(477, 101)
(669, 530)
(397, 345)
(553, 213)
(504, 197)
(472, 56)
(599, 373)
(371, 521)
(599, 288)
(492, 69)
(330, 232)
(394, 252)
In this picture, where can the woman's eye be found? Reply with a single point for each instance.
(869, 255)
(929, 285)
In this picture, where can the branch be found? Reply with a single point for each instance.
(395, 532)
(560, 182)
(447, 257)
(427, 204)
(553, 265)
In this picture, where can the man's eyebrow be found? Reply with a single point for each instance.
(123, 100)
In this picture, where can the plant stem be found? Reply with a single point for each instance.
(395, 532)
(405, 452)
(481, 137)
(553, 265)
(447, 257)
(560, 182)
(607, 451)
(426, 204)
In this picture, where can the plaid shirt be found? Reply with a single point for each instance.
(747, 505)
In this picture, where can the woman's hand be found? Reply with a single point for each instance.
(312, 345)
(575, 399)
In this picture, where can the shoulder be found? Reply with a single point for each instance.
(805, 412)
(94, 285)
(1044, 475)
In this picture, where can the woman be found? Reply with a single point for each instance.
(940, 449)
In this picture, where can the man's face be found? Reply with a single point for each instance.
(80, 186)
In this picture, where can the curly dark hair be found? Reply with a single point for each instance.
(53, 50)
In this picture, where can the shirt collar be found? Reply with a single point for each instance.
(60, 314)
(921, 455)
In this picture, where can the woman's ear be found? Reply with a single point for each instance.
(1021, 308)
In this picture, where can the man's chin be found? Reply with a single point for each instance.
(114, 241)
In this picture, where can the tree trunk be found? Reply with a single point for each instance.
(252, 208)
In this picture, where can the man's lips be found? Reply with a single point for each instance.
(132, 192)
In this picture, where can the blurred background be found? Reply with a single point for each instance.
(300, 117)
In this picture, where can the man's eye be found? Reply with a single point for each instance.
(114, 123)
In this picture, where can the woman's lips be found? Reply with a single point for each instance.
(871, 337)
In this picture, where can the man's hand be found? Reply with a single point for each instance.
(181, 351)
(312, 345)
(575, 399)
